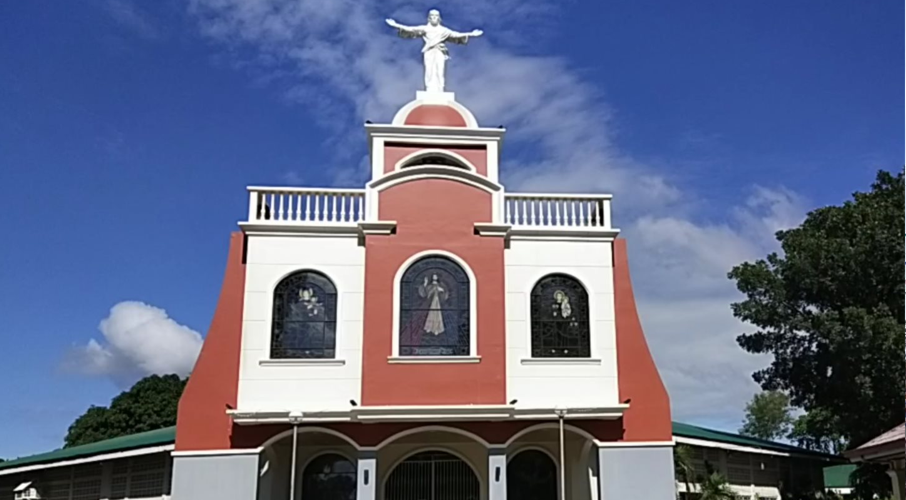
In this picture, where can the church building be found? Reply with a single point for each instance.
(431, 336)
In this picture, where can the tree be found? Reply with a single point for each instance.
(150, 404)
(831, 312)
(684, 469)
(715, 487)
(768, 416)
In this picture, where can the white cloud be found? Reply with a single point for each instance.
(341, 61)
(684, 296)
(127, 15)
(138, 340)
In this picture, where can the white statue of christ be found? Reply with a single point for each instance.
(435, 51)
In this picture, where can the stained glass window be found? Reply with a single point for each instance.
(531, 475)
(305, 317)
(434, 309)
(329, 477)
(560, 318)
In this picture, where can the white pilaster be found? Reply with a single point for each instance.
(497, 473)
(367, 476)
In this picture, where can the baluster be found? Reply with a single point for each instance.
(532, 203)
(599, 210)
(546, 211)
(358, 207)
(590, 205)
(295, 199)
(572, 217)
(334, 213)
(506, 211)
(343, 207)
(317, 215)
(558, 218)
(581, 213)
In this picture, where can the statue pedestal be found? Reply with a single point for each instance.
(430, 97)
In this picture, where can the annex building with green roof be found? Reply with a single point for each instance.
(139, 466)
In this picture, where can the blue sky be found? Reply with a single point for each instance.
(128, 131)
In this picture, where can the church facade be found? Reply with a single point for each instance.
(429, 336)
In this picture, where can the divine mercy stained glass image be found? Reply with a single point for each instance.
(434, 309)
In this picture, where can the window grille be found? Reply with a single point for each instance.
(329, 477)
(138, 477)
(432, 475)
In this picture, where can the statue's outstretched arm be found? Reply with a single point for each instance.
(404, 30)
(457, 37)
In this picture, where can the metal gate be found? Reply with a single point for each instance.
(432, 475)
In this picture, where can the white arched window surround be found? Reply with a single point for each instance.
(269, 321)
(592, 322)
(473, 356)
(455, 157)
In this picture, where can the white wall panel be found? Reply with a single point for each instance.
(264, 386)
(556, 383)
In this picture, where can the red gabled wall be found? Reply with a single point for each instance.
(434, 214)
(202, 422)
(648, 416)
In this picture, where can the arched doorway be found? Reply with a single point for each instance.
(531, 475)
(432, 475)
(329, 477)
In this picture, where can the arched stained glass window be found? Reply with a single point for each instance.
(305, 317)
(531, 475)
(560, 318)
(434, 309)
(329, 477)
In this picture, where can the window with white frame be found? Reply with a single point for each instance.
(304, 318)
(434, 309)
(559, 311)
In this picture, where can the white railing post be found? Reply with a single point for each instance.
(606, 214)
(253, 205)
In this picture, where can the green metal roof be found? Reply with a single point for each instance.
(158, 437)
(837, 476)
(167, 436)
(696, 432)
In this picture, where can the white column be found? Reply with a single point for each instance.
(497, 473)
(367, 475)
(897, 478)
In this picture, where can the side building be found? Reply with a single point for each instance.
(139, 467)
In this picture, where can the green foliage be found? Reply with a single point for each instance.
(768, 416)
(684, 470)
(830, 311)
(150, 404)
(716, 487)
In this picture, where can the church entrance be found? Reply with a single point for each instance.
(432, 475)
(531, 475)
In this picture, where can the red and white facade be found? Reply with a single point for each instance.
(254, 424)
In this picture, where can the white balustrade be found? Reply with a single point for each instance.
(557, 211)
(306, 206)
